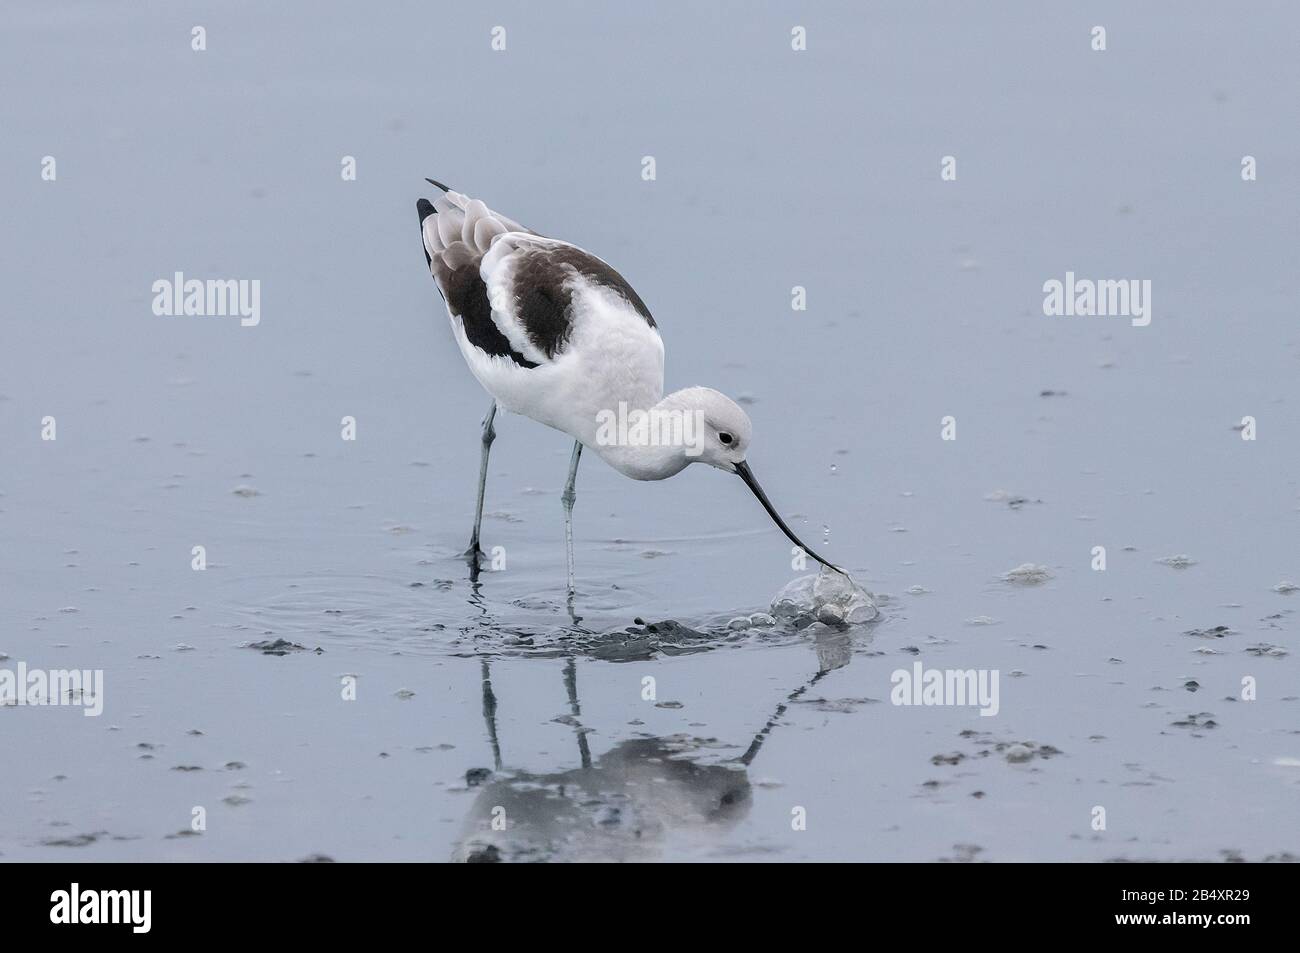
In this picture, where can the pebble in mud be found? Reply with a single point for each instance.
(1014, 500)
(1027, 574)
(1018, 754)
(281, 647)
(1215, 632)
(1015, 752)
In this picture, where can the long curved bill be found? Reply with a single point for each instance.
(746, 474)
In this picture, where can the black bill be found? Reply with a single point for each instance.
(743, 471)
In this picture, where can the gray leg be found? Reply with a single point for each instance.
(567, 499)
(489, 434)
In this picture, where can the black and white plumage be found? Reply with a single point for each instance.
(550, 330)
(556, 334)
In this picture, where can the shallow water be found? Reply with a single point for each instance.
(1117, 689)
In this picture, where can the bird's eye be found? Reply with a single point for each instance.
(726, 438)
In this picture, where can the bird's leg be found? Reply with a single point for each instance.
(575, 709)
(490, 712)
(474, 553)
(567, 498)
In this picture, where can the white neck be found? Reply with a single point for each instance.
(652, 458)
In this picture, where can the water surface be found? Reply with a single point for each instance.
(775, 169)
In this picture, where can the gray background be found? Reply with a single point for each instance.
(775, 169)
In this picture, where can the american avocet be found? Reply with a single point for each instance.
(556, 334)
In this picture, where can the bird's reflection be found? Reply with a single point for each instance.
(624, 804)
(618, 808)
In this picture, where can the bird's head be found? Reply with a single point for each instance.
(717, 431)
(723, 433)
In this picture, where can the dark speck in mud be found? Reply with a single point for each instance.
(962, 854)
(281, 647)
(1202, 719)
(187, 767)
(1267, 650)
(1217, 632)
(953, 758)
(1014, 751)
(75, 840)
(1192, 685)
(317, 859)
(477, 776)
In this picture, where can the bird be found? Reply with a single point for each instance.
(555, 334)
